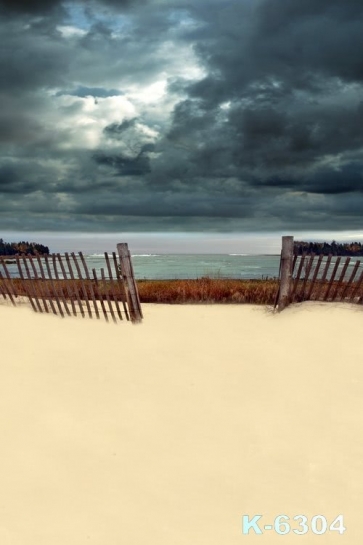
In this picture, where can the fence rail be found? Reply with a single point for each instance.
(63, 285)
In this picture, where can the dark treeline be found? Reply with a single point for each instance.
(19, 248)
(335, 248)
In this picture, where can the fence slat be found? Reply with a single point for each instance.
(100, 296)
(323, 277)
(38, 284)
(54, 257)
(108, 297)
(358, 285)
(69, 292)
(6, 289)
(320, 258)
(27, 293)
(297, 278)
(129, 282)
(69, 264)
(119, 276)
(120, 283)
(53, 287)
(2, 289)
(307, 273)
(114, 295)
(30, 283)
(45, 282)
(349, 284)
(8, 278)
(82, 284)
(90, 284)
(44, 287)
(341, 277)
(332, 278)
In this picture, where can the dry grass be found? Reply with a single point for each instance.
(208, 290)
(202, 290)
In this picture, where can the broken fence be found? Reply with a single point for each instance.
(64, 285)
(311, 277)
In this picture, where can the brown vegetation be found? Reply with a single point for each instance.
(208, 290)
(202, 290)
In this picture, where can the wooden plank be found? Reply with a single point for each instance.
(350, 281)
(130, 284)
(112, 288)
(45, 285)
(22, 279)
(100, 296)
(7, 290)
(118, 268)
(297, 278)
(294, 263)
(84, 289)
(63, 299)
(39, 284)
(120, 284)
(341, 277)
(2, 288)
(356, 288)
(53, 287)
(307, 274)
(96, 288)
(320, 258)
(278, 289)
(9, 282)
(44, 289)
(110, 306)
(332, 278)
(68, 285)
(90, 284)
(73, 281)
(322, 279)
(32, 286)
(287, 254)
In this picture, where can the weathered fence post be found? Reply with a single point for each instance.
(132, 294)
(286, 271)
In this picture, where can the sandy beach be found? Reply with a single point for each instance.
(168, 432)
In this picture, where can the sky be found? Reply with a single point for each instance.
(218, 119)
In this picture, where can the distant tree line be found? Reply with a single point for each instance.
(19, 248)
(335, 248)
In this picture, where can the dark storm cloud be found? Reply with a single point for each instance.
(348, 179)
(82, 91)
(124, 166)
(116, 130)
(38, 7)
(269, 137)
(41, 7)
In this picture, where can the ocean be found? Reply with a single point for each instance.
(188, 266)
(183, 266)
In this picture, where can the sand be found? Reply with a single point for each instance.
(168, 432)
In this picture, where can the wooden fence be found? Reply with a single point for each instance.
(63, 285)
(311, 277)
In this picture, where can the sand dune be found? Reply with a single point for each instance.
(168, 432)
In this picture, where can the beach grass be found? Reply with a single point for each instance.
(200, 290)
(208, 290)
(188, 291)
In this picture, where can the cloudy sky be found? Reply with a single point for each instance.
(171, 116)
